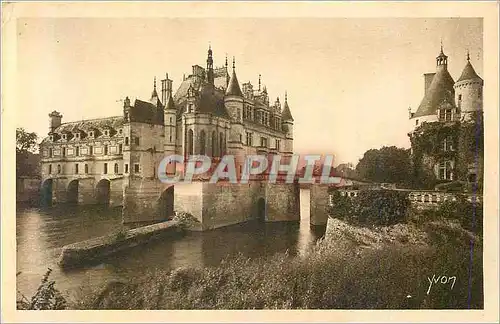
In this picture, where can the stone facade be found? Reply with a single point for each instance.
(115, 160)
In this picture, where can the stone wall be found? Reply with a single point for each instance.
(319, 203)
(282, 202)
(142, 200)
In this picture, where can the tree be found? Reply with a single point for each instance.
(27, 162)
(388, 164)
(25, 141)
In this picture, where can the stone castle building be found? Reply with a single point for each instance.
(439, 136)
(115, 160)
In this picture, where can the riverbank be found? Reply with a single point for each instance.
(352, 268)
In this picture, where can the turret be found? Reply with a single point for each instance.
(469, 91)
(55, 121)
(234, 98)
(170, 116)
(287, 126)
(210, 66)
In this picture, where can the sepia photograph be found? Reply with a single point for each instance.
(250, 163)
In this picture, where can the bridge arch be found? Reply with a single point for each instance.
(166, 203)
(72, 193)
(46, 193)
(102, 191)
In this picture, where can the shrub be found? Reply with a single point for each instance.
(47, 297)
(469, 214)
(372, 207)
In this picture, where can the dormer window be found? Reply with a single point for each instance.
(120, 131)
(77, 136)
(91, 134)
(64, 136)
(51, 138)
(106, 132)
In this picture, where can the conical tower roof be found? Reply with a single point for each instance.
(170, 102)
(286, 114)
(468, 73)
(233, 88)
(440, 92)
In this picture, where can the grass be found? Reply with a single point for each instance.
(337, 274)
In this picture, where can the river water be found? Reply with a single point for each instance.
(41, 233)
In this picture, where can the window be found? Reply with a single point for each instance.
(63, 151)
(105, 150)
(136, 139)
(86, 169)
(91, 150)
(241, 138)
(479, 93)
(170, 120)
(202, 142)
(64, 136)
(50, 168)
(278, 144)
(448, 144)
(50, 152)
(459, 97)
(77, 151)
(120, 148)
(136, 168)
(126, 140)
(106, 133)
(238, 114)
(249, 139)
(105, 168)
(416, 122)
(120, 131)
(58, 168)
(116, 168)
(51, 138)
(445, 115)
(445, 171)
(76, 168)
(91, 134)
(77, 135)
(263, 141)
(126, 168)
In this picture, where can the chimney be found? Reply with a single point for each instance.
(164, 91)
(428, 80)
(55, 120)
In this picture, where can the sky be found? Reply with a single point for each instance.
(350, 81)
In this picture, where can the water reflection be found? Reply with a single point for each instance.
(42, 233)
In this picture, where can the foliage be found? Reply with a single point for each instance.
(47, 297)
(27, 162)
(469, 214)
(25, 141)
(388, 164)
(372, 207)
(186, 220)
(334, 275)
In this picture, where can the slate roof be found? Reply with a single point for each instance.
(89, 124)
(440, 92)
(286, 114)
(209, 99)
(146, 112)
(468, 73)
(233, 89)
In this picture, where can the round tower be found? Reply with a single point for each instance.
(469, 91)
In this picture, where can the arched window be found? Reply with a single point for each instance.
(214, 143)
(116, 168)
(189, 142)
(58, 168)
(202, 142)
